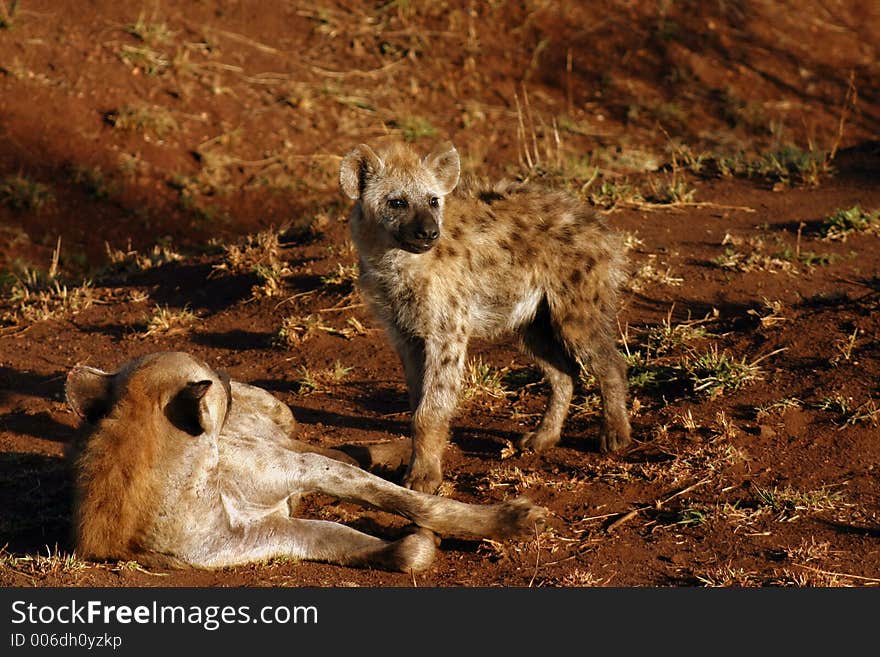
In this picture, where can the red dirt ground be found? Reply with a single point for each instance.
(771, 482)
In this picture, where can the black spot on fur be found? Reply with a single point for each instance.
(489, 197)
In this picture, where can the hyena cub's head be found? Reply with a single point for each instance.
(400, 192)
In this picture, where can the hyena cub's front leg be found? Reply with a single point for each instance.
(442, 369)
(412, 356)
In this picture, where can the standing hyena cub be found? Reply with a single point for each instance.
(438, 268)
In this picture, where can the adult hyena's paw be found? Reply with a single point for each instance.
(538, 440)
(519, 517)
(414, 552)
(424, 476)
(614, 436)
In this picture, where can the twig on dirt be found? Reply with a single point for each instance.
(240, 38)
(334, 309)
(684, 490)
(412, 574)
(834, 574)
(365, 73)
(134, 565)
(772, 353)
(604, 515)
(657, 505)
(395, 414)
(223, 67)
(22, 573)
(295, 296)
(626, 517)
(563, 560)
(677, 205)
(275, 159)
(15, 331)
(849, 101)
(537, 556)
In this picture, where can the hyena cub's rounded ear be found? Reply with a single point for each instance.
(88, 392)
(360, 163)
(445, 164)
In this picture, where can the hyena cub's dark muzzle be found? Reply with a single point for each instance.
(419, 233)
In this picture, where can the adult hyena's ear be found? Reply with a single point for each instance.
(189, 411)
(445, 164)
(89, 392)
(360, 163)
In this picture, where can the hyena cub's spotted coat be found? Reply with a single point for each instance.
(439, 268)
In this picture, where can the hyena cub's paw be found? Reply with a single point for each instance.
(518, 517)
(614, 437)
(424, 476)
(414, 552)
(538, 440)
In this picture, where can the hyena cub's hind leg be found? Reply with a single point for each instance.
(559, 368)
(595, 350)
(609, 368)
(561, 353)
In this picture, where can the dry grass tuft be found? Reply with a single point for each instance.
(163, 320)
(36, 296)
(258, 254)
(321, 381)
(296, 330)
(130, 260)
(144, 119)
(483, 380)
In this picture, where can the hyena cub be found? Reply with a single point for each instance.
(438, 268)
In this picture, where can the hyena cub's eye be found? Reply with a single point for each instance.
(397, 203)
(434, 202)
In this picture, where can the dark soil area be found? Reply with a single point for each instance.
(168, 181)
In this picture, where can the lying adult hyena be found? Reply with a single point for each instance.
(180, 466)
(438, 268)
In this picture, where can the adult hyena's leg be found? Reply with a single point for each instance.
(321, 540)
(337, 454)
(311, 473)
